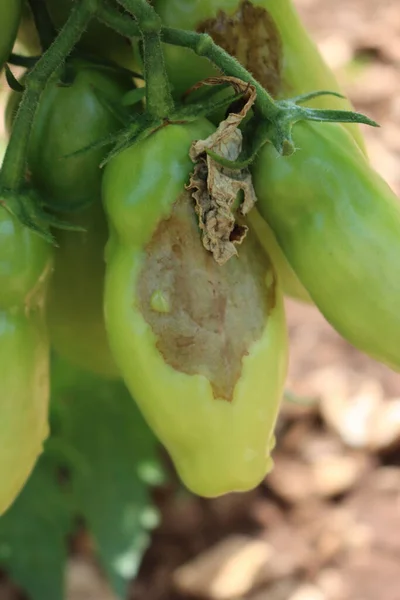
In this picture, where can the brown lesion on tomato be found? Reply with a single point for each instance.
(250, 35)
(215, 313)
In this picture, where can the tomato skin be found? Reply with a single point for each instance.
(157, 326)
(291, 284)
(25, 265)
(10, 15)
(338, 223)
(69, 118)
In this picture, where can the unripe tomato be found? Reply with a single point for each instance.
(98, 39)
(69, 118)
(201, 347)
(338, 224)
(25, 264)
(75, 304)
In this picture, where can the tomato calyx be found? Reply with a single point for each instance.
(30, 210)
(278, 130)
(143, 125)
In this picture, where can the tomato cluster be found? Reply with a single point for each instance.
(134, 293)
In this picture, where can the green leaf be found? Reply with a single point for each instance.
(33, 535)
(117, 462)
(99, 435)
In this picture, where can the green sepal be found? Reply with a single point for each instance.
(12, 81)
(118, 110)
(143, 125)
(28, 62)
(134, 96)
(196, 110)
(337, 116)
(29, 209)
(139, 129)
(316, 94)
(279, 131)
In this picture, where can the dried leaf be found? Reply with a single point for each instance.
(217, 190)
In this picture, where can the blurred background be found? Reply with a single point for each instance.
(325, 525)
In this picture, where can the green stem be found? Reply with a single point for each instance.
(203, 45)
(159, 101)
(14, 164)
(43, 23)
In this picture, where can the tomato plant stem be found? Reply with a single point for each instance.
(203, 45)
(12, 174)
(200, 43)
(159, 101)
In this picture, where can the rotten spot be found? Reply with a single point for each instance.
(251, 36)
(215, 313)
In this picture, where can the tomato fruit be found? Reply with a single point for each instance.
(75, 304)
(268, 39)
(68, 118)
(10, 15)
(98, 39)
(201, 347)
(25, 263)
(289, 281)
(71, 117)
(338, 224)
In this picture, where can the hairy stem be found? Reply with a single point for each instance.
(159, 101)
(202, 44)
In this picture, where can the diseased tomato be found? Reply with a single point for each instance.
(201, 347)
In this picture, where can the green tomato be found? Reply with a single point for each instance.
(290, 283)
(75, 303)
(98, 39)
(338, 223)
(10, 15)
(201, 347)
(25, 264)
(69, 118)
